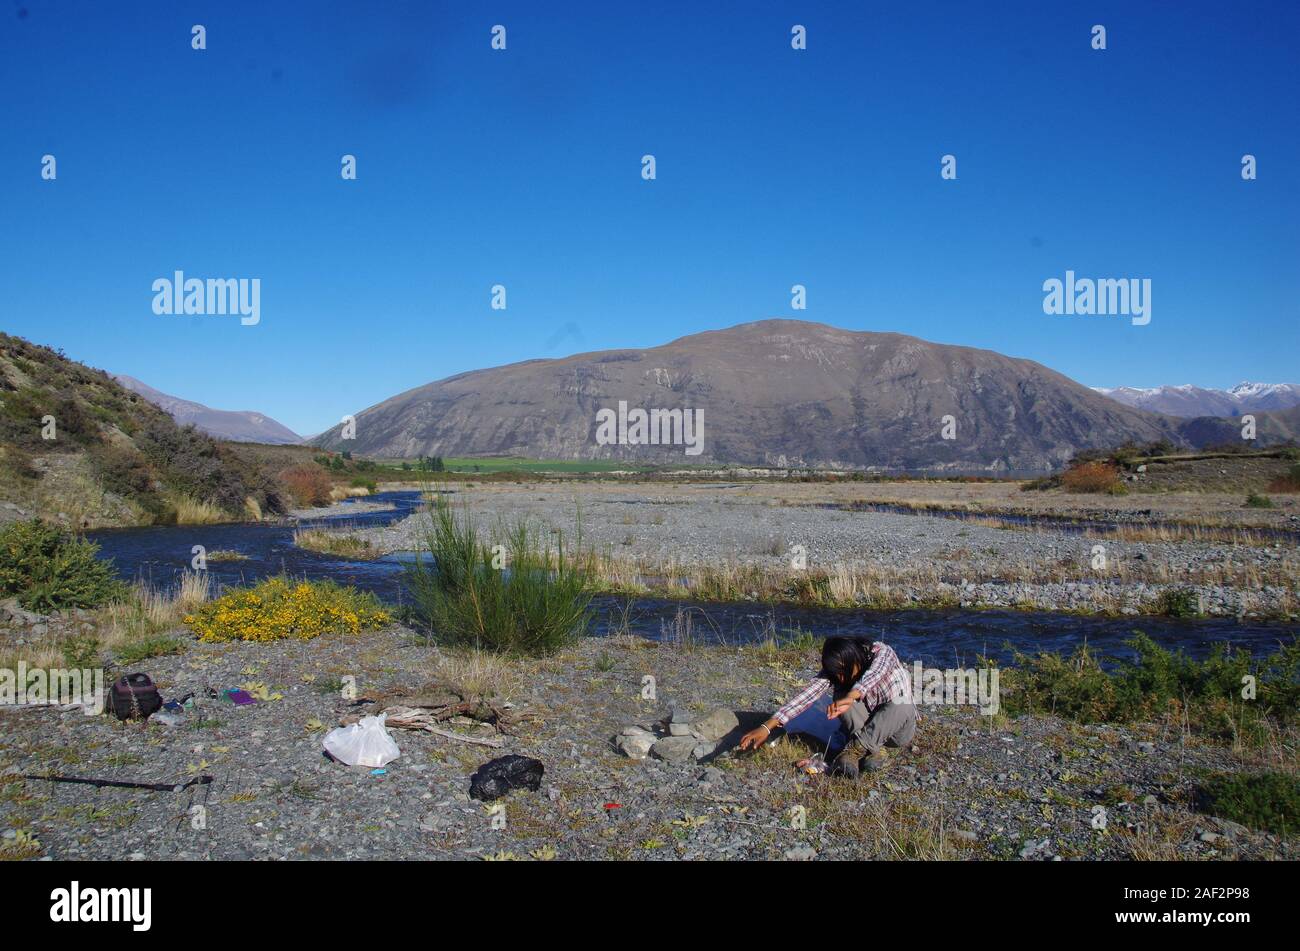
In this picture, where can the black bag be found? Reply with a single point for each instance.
(134, 697)
(496, 778)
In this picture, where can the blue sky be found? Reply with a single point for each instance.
(522, 167)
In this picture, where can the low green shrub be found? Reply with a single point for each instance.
(132, 652)
(1179, 602)
(50, 569)
(1268, 801)
(1228, 696)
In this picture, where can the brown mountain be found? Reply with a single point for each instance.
(771, 392)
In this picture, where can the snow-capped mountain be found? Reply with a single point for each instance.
(1189, 400)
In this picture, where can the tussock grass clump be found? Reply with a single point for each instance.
(1228, 696)
(514, 597)
(333, 543)
(278, 608)
(49, 569)
(1269, 801)
(191, 511)
(480, 675)
(226, 554)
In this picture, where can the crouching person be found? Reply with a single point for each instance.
(870, 707)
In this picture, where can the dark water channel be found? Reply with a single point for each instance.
(159, 554)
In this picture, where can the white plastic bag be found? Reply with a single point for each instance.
(364, 743)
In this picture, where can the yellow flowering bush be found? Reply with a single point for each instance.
(279, 608)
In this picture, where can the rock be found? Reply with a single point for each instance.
(1231, 829)
(1036, 849)
(710, 776)
(701, 750)
(966, 835)
(635, 731)
(636, 745)
(715, 724)
(12, 611)
(674, 749)
(1209, 837)
(801, 853)
(679, 729)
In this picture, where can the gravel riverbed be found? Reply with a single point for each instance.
(972, 786)
(918, 559)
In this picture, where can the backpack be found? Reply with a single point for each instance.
(134, 697)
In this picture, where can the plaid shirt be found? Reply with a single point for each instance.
(885, 681)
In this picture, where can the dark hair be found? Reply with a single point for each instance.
(842, 656)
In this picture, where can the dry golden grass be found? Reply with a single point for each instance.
(192, 511)
(149, 611)
(341, 544)
(145, 615)
(340, 492)
(478, 673)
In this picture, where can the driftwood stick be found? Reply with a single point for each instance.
(122, 784)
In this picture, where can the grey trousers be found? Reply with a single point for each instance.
(892, 724)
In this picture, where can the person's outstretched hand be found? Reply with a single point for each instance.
(755, 738)
(840, 707)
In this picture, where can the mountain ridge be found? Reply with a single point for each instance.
(1188, 400)
(776, 392)
(236, 425)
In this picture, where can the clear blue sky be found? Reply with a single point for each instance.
(522, 167)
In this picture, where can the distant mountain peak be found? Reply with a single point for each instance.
(1189, 400)
(236, 425)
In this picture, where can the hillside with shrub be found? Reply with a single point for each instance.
(80, 450)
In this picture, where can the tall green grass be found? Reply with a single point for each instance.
(523, 598)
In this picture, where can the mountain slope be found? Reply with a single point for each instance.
(771, 392)
(1191, 401)
(237, 425)
(80, 449)
(1282, 426)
